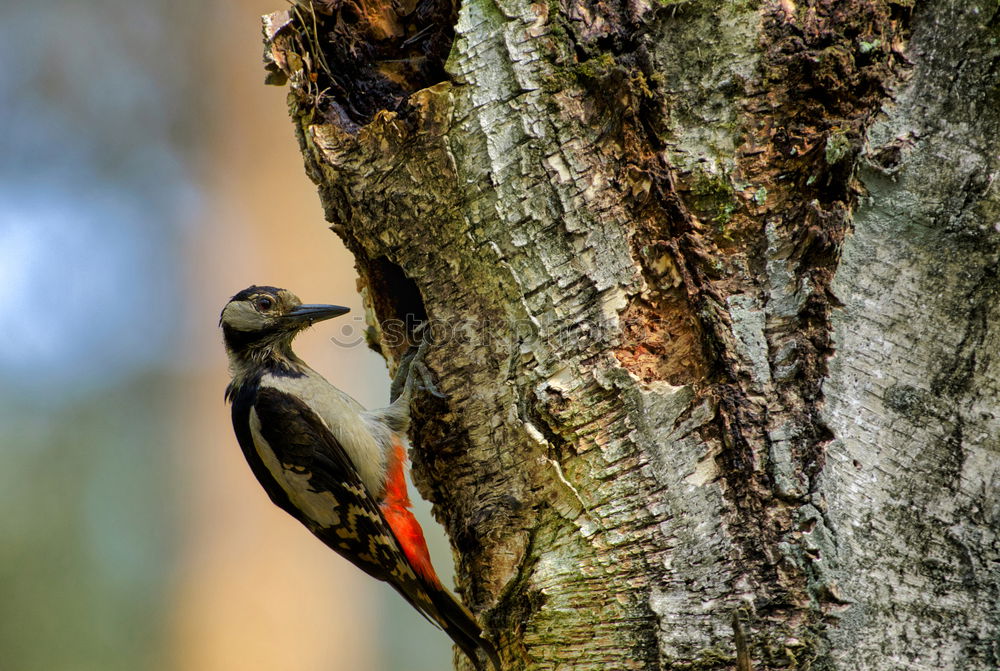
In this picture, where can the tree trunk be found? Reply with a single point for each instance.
(714, 294)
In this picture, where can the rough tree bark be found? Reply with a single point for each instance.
(714, 288)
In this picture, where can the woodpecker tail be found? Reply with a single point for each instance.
(447, 612)
(461, 626)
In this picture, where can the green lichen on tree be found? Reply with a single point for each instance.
(713, 197)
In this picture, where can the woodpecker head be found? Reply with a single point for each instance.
(263, 320)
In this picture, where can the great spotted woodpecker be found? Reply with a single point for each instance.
(332, 465)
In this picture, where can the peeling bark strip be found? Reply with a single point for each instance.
(625, 221)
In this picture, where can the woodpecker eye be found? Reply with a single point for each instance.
(264, 303)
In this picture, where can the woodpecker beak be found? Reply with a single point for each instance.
(306, 315)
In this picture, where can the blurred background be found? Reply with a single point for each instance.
(146, 175)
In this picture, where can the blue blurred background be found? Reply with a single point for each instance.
(147, 174)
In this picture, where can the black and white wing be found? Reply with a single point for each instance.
(325, 491)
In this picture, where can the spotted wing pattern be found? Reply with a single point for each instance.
(313, 467)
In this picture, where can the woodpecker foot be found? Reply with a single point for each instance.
(399, 381)
(419, 369)
(412, 370)
(417, 366)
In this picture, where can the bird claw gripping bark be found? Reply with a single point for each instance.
(412, 371)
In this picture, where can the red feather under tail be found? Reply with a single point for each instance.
(450, 615)
(396, 510)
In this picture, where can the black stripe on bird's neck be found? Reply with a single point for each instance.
(254, 353)
(248, 372)
(245, 342)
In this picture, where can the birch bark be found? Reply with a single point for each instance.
(714, 292)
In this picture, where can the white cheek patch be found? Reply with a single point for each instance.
(242, 317)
